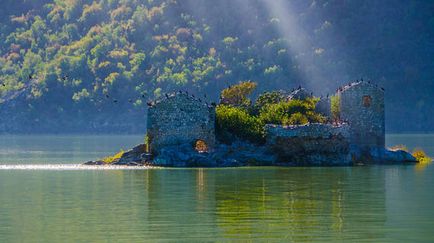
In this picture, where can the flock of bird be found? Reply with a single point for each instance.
(143, 96)
(168, 95)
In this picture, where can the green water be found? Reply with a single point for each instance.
(55, 202)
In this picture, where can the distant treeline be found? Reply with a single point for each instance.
(91, 66)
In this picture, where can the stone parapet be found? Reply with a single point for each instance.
(313, 130)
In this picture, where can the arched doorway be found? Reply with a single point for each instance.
(201, 146)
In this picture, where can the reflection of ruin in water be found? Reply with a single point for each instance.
(294, 203)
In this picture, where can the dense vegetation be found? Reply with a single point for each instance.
(238, 118)
(91, 65)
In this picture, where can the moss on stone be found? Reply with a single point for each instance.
(114, 158)
(421, 156)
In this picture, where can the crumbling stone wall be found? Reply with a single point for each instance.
(312, 144)
(180, 119)
(362, 106)
(324, 107)
(299, 94)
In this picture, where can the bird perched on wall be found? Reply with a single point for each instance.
(299, 87)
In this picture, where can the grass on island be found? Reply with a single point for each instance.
(421, 156)
(114, 158)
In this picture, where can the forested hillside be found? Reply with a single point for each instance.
(92, 65)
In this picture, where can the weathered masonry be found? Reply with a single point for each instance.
(312, 144)
(362, 106)
(180, 119)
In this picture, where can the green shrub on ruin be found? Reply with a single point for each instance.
(293, 112)
(267, 98)
(335, 107)
(245, 123)
(237, 123)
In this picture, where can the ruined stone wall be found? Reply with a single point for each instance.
(180, 119)
(362, 106)
(314, 130)
(324, 107)
(313, 144)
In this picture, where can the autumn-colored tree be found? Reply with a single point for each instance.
(237, 95)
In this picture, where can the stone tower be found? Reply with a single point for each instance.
(179, 119)
(362, 106)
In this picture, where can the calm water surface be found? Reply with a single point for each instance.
(45, 197)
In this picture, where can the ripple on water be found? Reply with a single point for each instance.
(70, 167)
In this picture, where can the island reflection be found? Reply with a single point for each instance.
(298, 204)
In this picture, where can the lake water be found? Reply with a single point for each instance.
(46, 197)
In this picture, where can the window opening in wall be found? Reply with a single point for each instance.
(201, 146)
(367, 101)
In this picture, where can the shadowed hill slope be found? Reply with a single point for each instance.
(91, 65)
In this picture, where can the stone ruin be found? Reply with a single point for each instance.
(312, 144)
(359, 130)
(180, 119)
(362, 106)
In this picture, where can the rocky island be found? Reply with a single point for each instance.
(285, 128)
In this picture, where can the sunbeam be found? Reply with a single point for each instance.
(304, 50)
(295, 36)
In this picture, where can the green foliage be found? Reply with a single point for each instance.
(127, 48)
(114, 158)
(229, 40)
(80, 95)
(421, 156)
(268, 98)
(237, 95)
(335, 102)
(236, 122)
(272, 70)
(293, 112)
